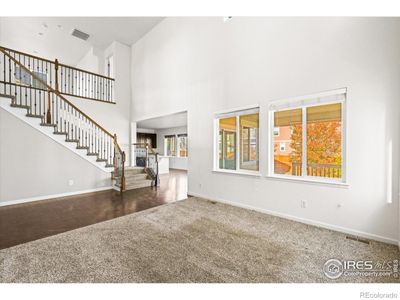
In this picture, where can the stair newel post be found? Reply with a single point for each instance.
(48, 114)
(115, 159)
(147, 156)
(123, 172)
(56, 74)
(157, 173)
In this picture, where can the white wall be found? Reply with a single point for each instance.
(204, 65)
(179, 163)
(91, 61)
(113, 117)
(32, 165)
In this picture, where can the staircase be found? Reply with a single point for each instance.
(38, 86)
(136, 177)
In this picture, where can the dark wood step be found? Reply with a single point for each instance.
(109, 166)
(20, 106)
(92, 154)
(48, 125)
(72, 141)
(34, 116)
(60, 133)
(82, 147)
(101, 159)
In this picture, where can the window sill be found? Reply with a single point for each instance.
(286, 178)
(309, 180)
(246, 173)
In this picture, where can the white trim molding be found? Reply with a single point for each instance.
(337, 228)
(40, 198)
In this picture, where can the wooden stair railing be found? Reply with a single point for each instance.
(48, 104)
(150, 168)
(66, 79)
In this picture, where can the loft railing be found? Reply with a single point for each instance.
(48, 104)
(65, 79)
(150, 160)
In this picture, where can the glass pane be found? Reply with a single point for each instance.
(287, 140)
(170, 145)
(249, 142)
(227, 143)
(183, 146)
(324, 141)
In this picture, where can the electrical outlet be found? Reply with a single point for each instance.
(70, 182)
(303, 204)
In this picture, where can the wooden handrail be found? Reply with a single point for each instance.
(116, 144)
(91, 73)
(56, 92)
(66, 94)
(52, 62)
(26, 54)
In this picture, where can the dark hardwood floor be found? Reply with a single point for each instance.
(26, 222)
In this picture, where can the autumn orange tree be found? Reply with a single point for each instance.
(323, 143)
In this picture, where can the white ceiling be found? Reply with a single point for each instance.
(50, 37)
(168, 121)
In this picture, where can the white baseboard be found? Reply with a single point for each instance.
(39, 198)
(366, 235)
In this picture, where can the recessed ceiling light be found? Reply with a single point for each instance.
(40, 33)
(59, 26)
(227, 18)
(45, 25)
(34, 51)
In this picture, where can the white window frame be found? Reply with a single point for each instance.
(236, 113)
(304, 102)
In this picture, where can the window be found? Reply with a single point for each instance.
(170, 145)
(310, 143)
(36, 83)
(183, 146)
(22, 77)
(227, 143)
(249, 142)
(289, 123)
(238, 141)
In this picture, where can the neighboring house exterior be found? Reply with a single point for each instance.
(282, 140)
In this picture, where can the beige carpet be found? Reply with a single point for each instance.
(189, 241)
